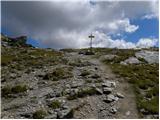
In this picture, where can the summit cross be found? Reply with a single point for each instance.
(91, 36)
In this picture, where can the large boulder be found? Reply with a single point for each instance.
(131, 60)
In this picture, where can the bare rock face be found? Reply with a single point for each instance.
(149, 56)
(108, 57)
(131, 60)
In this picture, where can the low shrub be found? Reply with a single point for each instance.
(13, 90)
(55, 104)
(39, 114)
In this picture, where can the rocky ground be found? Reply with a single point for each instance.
(44, 83)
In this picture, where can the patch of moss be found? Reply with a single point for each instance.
(150, 106)
(5, 91)
(6, 59)
(39, 114)
(88, 81)
(59, 73)
(19, 88)
(55, 104)
(13, 90)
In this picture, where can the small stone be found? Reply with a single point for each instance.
(106, 84)
(65, 107)
(99, 91)
(143, 111)
(13, 75)
(116, 98)
(67, 91)
(52, 116)
(113, 110)
(76, 84)
(120, 95)
(156, 116)
(110, 98)
(67, 86)
(128, 113)
(109, 84)
(66, 113)
(107, 90)
(113, 84)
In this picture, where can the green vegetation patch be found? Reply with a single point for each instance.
(39, 114)
(83, 93)
(55, 104)
(29, 57)
(59, 73)
(6, 59)
(13, 90)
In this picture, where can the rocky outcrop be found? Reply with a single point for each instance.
(149, 56)
(131, 60)
(17, 41)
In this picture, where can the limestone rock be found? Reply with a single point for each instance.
(113, 110)
(99, 91)
(120, 95)
(110, 98)
(109, 84)
(131, 60)
(107, 90)
(108, 57)
(149, 56)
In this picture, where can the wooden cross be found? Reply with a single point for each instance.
(91, 36)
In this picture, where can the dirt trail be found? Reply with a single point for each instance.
(126, 107)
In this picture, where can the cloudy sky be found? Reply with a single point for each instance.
(67, 24)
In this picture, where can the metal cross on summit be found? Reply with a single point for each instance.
(91, 36)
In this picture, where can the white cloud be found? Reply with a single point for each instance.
(103, 40)
(147, 42)
(122, 25)
(154, 11)
(149, 16)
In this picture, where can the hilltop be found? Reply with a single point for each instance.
(46, 83)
